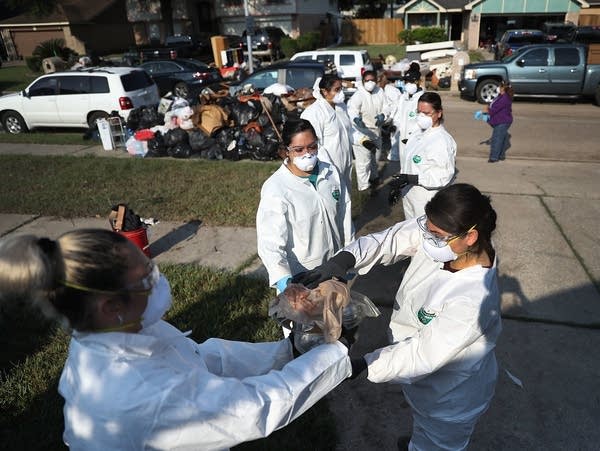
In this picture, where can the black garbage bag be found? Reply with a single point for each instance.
(444, 82)
(213, 152)
(244, 112)
(278, 111)
(199, 140)
(156, 146)
(180, 150)
(176, 136)
(131, 221)
(149, 117)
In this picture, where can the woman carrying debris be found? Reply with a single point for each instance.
(501, 118)
(133, 381)
(446, 318)
(329, 117)
(304, 213)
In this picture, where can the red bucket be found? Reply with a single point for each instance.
(139, 237)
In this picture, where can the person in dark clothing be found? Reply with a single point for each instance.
(500, 111)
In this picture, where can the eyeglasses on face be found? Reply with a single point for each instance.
(436, 240)
(313, 147)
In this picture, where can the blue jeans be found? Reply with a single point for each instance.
(500, 141)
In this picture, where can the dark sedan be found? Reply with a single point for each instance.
(182, 77)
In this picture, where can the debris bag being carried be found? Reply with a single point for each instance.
(319, 314)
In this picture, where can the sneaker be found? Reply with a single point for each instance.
(492, 161)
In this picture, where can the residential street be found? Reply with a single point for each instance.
(548, 201)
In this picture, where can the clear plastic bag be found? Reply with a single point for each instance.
(296, 305)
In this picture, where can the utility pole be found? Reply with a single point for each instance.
(249, 32)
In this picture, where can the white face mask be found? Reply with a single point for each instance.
(339, 97)
(306, 162)
(424, 121)
(410, 88)
(369, 85)
(159, 302)
(439, 254)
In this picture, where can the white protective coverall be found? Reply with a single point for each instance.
(334, 132)
(430, 155)
(367, 105)
(405, 120)
(298, 226)
(158, 389)
(443, 332)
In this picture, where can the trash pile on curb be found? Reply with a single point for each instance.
(219, 126)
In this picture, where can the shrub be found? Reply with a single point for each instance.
(307, 41)
(34, 64)
(423, 35)
(289, 46)
(54, 47)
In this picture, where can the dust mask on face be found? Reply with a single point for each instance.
(339, 97)
(424, 121)
(410, 88)
(159, 302)
(439, 254)
(306, 162)
(369, 85)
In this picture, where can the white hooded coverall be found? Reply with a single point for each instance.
(298, 226)
(405, 120)
(443, 332)
(334, 133)
(158, 389)
(367, 105)
(430, 155)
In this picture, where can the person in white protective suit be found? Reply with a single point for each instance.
(428, 163)
(304, 212)
(329, 117)
(446, 317)
(404, 115)
(131, 380)
(368, 110)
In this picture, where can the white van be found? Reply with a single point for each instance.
(350, 64)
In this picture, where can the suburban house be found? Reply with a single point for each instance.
(479, 21)
(105, 26)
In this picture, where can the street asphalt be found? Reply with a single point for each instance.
(549, 253)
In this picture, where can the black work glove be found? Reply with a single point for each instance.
(337, 266)
(358, 366)
(398, 182)
(359, 122)
(379, 120)
(348, 336)
(369, 145)
(295, 351)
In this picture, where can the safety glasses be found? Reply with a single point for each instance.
(436, 240)
(145, 285)
(312, 148)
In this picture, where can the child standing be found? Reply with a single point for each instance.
(500, 111)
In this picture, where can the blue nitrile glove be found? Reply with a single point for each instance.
(478, 115)
(379, 120)
(337, 266)
(359, 122)
(283, 283)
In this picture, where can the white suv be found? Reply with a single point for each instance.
(350, 64)
(77, 98)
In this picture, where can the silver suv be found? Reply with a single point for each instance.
(77, 98)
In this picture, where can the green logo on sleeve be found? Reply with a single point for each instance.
(417, 159)
(424, 316)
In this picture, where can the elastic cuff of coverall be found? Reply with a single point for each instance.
(283, 283)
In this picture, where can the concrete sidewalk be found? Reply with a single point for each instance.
(547, 241)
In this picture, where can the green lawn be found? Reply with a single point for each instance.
(15, 78)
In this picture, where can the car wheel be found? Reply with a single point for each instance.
(487, 90)
(181, 90)
(13, 123)
(95, 116)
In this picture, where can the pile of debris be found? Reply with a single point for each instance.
(218, 126)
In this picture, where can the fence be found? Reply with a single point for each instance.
(371, 31)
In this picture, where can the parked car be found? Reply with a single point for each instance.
(541, 70)
(77, 98)
(183, 77)
(294, 74)
(511, 40)
(557, 31)
(350, 64)
(178, 46)
(266, 42)
(589, 34)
